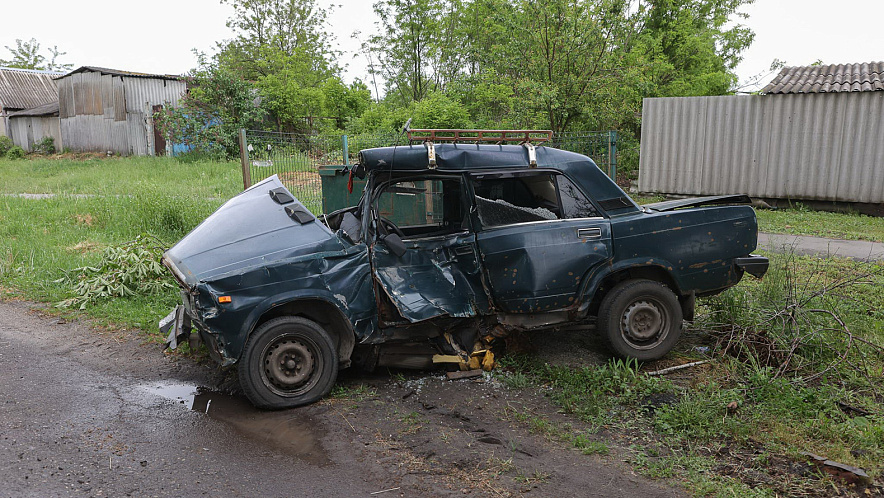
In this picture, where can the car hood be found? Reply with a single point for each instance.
(251, 229)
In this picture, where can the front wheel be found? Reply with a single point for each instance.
(641, 319)
(288, 362)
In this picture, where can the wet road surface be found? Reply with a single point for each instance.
(72, 425)
(97, 413)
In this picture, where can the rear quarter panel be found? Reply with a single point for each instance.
(696, 246)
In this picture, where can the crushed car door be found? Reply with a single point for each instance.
(439, 272)
(539, 237)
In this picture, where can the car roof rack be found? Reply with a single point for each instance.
(475, 136)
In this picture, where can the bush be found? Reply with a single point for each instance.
(15, 152)
(5, 145)
(45, 146)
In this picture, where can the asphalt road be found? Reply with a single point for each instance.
(859, 250)
(90, 414)
(98, 413)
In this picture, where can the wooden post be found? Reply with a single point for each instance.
(244, 159)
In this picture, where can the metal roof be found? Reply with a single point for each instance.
(834, 78)
(116, 72)
(43, 110)
(26, 88)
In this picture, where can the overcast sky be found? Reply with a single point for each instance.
(158, 36)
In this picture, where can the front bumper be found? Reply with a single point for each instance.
(177, 325)
(753, 264)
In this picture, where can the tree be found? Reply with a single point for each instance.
(26, 55)
(559, 64)
(282, 46)
(695, 45)
(208, 119)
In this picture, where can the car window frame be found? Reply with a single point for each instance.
(476, 222)
(377, 188)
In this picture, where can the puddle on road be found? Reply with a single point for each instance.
(291, 431)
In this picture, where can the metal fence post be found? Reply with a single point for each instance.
(346, 150)
(612, 152)
(244, 159)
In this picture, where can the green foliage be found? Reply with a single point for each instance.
(26, 55)
(15, 152)
(127, 270)
(45, 146)
(439, 111)
(559, 64)
(5, 145)
(209, 117)
(283, 47)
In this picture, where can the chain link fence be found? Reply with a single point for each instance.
(300, 160)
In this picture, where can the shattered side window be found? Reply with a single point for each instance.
(519, 199)
(574, 203)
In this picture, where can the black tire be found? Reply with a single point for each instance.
(288, 362)
(641, 319)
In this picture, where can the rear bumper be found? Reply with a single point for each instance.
(753, 264)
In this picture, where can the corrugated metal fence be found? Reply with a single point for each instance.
(296, 158)
(810, 146)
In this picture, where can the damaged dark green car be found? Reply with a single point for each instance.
(449, 243)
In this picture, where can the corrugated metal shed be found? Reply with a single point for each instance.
(815, 146)
(117, 72)
(105, 109)
(31, 126)
(43, 110)
(26, 88)
(863, 77)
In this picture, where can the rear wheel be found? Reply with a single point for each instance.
(641, 319)
(287, 362)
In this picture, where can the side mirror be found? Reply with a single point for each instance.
(394, 244)
(359, 171)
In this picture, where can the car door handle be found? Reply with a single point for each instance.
(589, 233)
(463, 250)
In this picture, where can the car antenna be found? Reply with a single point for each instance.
(405, 128)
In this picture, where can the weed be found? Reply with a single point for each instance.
(15, 152)
(589, 447)
(5, 144)
(45, 146)
(537, 476)
(515, 380)
(499, 466)
(355, 393)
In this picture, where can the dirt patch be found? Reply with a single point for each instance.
(476, 437)
(85, 246)
(84, 219)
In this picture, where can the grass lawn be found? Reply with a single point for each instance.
(803, 221)
(100, 203)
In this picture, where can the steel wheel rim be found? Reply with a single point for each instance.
(289, 365)
(645, 323)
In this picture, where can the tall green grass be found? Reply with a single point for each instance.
(42, 239)
(121, 176)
